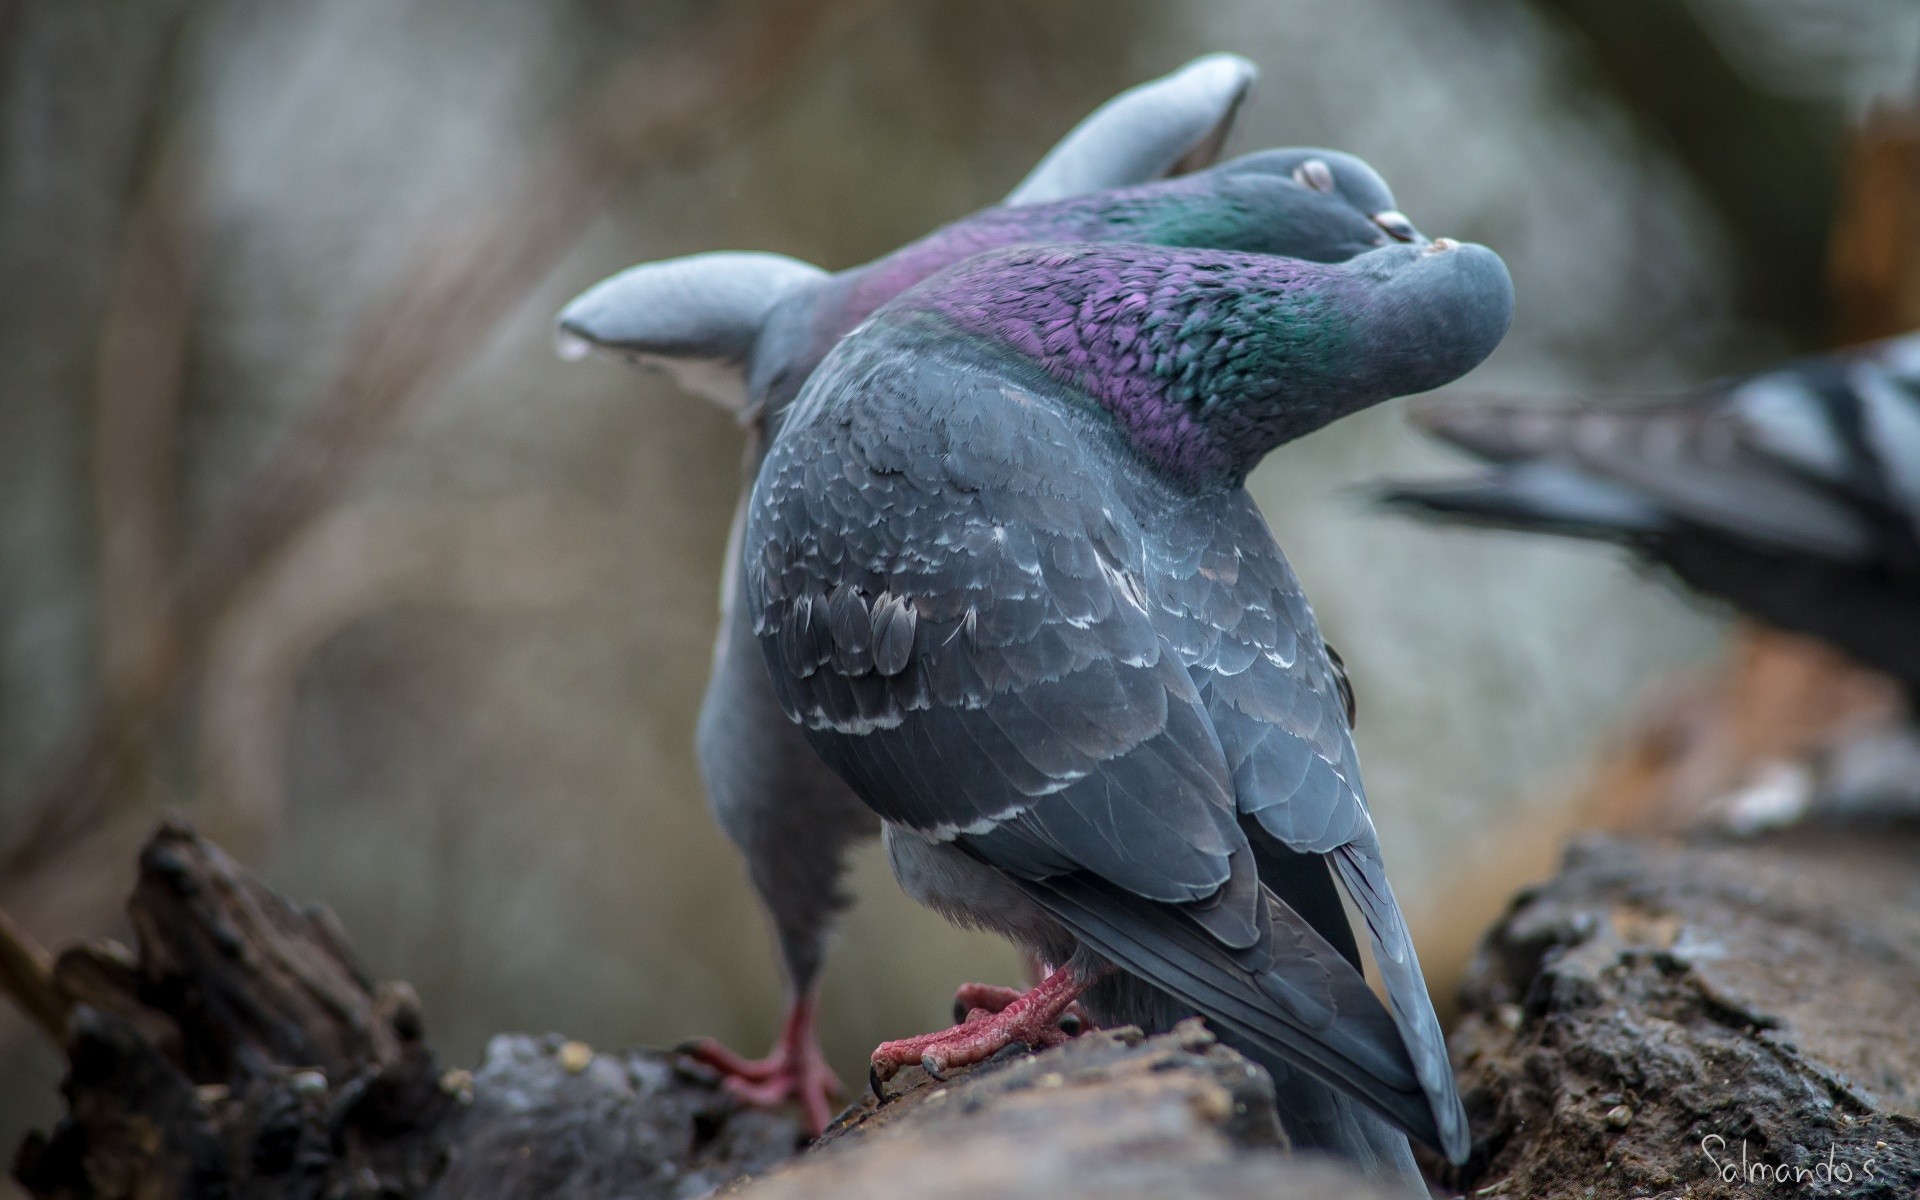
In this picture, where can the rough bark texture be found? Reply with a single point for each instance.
(1658, 1014)
(1108, 1115)
(243, 1053)
(1660, 1003)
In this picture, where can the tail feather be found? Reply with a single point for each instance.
(1358, 1051)
(1365, 878)
(1316, 1117)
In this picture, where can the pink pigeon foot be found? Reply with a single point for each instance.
(796, 1071)
(1031, 1019)
(992, 998)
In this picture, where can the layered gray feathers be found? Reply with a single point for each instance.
(1120, 721)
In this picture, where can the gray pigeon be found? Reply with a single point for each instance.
(1794, 493)
(1008, 581)
(748, 329)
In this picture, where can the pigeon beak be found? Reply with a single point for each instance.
(1396, 226)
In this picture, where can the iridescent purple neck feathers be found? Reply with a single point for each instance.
(1262, 203)
(1207, 360)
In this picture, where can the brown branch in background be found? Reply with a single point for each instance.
(1873, 265)
(440, 312)
(143, 351)
(138, 375)
(488, 556)
(142, 360)
(26, 977)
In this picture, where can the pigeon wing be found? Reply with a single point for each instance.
(1166, 126)
(1819, 458)
(1228, 603)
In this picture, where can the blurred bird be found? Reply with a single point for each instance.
(1793, 493)
(748, 329)
(1009, 582)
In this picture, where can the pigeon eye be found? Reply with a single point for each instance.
(1396, 225)
(1315, 174)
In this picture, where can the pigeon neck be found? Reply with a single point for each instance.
(1180, 212)
(1205, 360)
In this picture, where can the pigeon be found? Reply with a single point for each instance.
(1009, 583)
(1793, 493)
(744, 330)
(748, 329)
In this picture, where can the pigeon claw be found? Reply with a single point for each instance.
(991, 997)
(796, 1072)
(987, 997)
(1031, 1018)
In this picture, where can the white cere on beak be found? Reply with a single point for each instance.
(1315, 174)
(1441, 245)
(1396, 225)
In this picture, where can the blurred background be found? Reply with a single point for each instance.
(306, 533)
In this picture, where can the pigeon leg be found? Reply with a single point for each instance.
(796, 1070)
(1032, 1019)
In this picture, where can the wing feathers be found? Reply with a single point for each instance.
(1163, 127)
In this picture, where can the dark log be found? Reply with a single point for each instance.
(241, 1052)
(1633, 1029)
(1678, 1017)
(1109, 1115)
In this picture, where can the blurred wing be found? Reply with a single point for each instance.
(694, 317)
(1820, 458)
(1794, 494)
(1654, 466)
(949, 586)
(1542, 496)
(1167, 126)
(1229, 604)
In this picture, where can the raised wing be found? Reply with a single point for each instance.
(695, 317)
(956, 602)
(1166, 126)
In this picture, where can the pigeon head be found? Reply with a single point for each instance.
(1306, 204)
(1207, 360)
(1319, 205)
